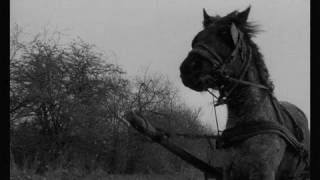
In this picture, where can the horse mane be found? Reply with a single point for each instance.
(249, 29)
(261, 67)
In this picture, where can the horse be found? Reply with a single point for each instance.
(265, 139)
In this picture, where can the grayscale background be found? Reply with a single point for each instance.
(157, 34)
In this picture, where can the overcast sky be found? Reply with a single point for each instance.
(157, 34)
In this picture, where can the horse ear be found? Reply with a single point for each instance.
(243, 16)
(206, 17)
(234, 33)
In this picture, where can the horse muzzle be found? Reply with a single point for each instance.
(198, 72)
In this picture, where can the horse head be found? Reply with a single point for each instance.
(222, 52)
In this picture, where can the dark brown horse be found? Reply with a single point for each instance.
(265, 139)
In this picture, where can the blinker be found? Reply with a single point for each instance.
(234, 34)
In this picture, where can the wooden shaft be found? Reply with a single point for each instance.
(144, 127)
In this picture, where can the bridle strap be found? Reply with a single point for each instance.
(247, 83)
(211, 52)
(244, 69)
(214, 57)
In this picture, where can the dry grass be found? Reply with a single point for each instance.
(75, 174)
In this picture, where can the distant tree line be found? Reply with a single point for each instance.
(64, 103)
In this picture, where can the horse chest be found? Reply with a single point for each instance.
(254, 157)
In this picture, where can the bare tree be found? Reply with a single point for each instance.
(62, 90)
(64, 104)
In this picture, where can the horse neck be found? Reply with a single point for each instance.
(248, 103)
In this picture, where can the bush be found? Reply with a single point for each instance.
(64, 104)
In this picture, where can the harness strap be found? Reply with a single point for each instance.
(233, 136)
(247, 83)
(276, 107)
(298, 130)
(303, 155)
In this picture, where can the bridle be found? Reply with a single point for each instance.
(241, 50)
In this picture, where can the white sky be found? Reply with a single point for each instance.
(158, 33)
